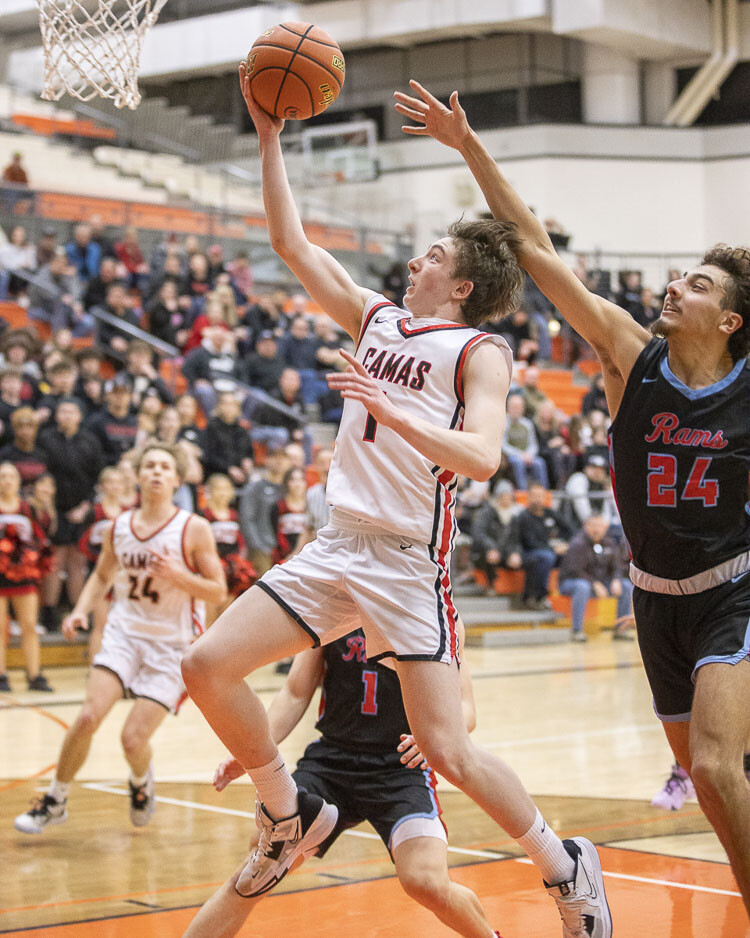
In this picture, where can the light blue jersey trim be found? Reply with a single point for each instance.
(726, 659)
(693, 394)
(672, 717)
(429, 815)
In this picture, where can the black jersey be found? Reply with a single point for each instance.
(361, 706)
(680, 460)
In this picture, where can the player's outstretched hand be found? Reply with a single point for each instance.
(448, 125)
(73, 622)
(264, 122)
(411, 757)
(359, 385)
(227, 772)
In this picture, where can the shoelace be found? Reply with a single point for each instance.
(41, 805)
(138, 796)
(571, 913)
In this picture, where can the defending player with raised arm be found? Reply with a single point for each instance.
(163, 566)
(368, 765)
(680, 460)
(424, 401)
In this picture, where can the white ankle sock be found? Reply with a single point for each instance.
(546, 851)
(275, 788)
(139, 780)
(59, 790)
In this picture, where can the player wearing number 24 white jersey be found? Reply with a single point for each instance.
(164, 565)
(424, 401)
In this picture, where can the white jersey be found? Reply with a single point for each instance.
(376, 475)
(144, 605)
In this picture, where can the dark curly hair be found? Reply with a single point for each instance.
(485, 254)
(735, 262)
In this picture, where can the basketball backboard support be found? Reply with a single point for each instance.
(340, 152)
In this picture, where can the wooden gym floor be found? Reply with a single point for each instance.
(574, 721)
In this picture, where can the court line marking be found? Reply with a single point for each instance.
(463, 851)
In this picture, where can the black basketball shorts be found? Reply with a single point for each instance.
(679, 634)
(400, 803)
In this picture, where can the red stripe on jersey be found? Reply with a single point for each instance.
(432, 782)
(376, 308)
(450, 609)
(459, 379)
(195, 619)
(406, 330)
(190, 567)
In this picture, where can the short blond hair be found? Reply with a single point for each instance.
(175, 451)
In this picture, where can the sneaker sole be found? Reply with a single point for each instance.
(321, 827)
(38, 830)
(595, 865)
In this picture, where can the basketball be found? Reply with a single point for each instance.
(296, 70)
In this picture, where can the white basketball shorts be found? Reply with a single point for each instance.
(397, 591)
(146, 668)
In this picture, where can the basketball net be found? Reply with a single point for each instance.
(95, 52)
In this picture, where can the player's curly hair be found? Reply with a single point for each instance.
(736, 263)
(486, 255)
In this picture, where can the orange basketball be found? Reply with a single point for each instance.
(296, 70)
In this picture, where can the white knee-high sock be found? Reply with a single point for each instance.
(275, 788)
(546, 851)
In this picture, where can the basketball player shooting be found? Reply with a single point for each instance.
(163, 566)
(680, 452)
(424, 402)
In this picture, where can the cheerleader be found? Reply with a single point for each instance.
(240, 573)
(25, 557)
(289, 514)
(98, 521)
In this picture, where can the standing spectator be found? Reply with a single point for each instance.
(165, 318)
(46, 246)
(213, 367)
(494, 536)
(521, 446)
(113, 339)
(229, 449)
(263, 367)
(75, 459)
(130, 255)
(23, 452)
(542, 538)
(595, 398)
(84, 254)
(592, 567)
(62, 378)
(256, 501)
(142, 376)
(116, 426)
(289, 514)
(299, 350)
(25, 556)
(15, 184)
(272, 426)
(241, 275)
(11, 385)
(590, 493)
(225, 527)
(187, 412)
(95, 293)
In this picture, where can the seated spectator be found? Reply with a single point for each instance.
(595, 398)
(589, 492)
(298, 349)
(198, 280)
(112, 339)
(167, 431)
(542, 538)
(15, 255)
(165, 318)
(142, 376)
(267, 314)
(212, 317)
(147, 418)
(521, 447)
(89, 362)
(228, 448)
(275, 427)
(213, 367)
(241, 275)
(130, 497)
(99, 236)
(593, 566)
(394, 283)
(75, 459)
(577, 435)
(552, 447)
(17, 350)
(46, 246)
(95, 293)
(187, 413)
(519, 332)
(493, 534)
(15, 184)
(629, 294)
(11, 385)
(530, 392)
(115, 426)
(215, 258)
(84, 254)
(171, 272)
(54, 296)
(263, 367)
(29, 460)
(289, 514)
(256, 502)
(14, 172)
(130, 255)
(61, 378)
(648, 310)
